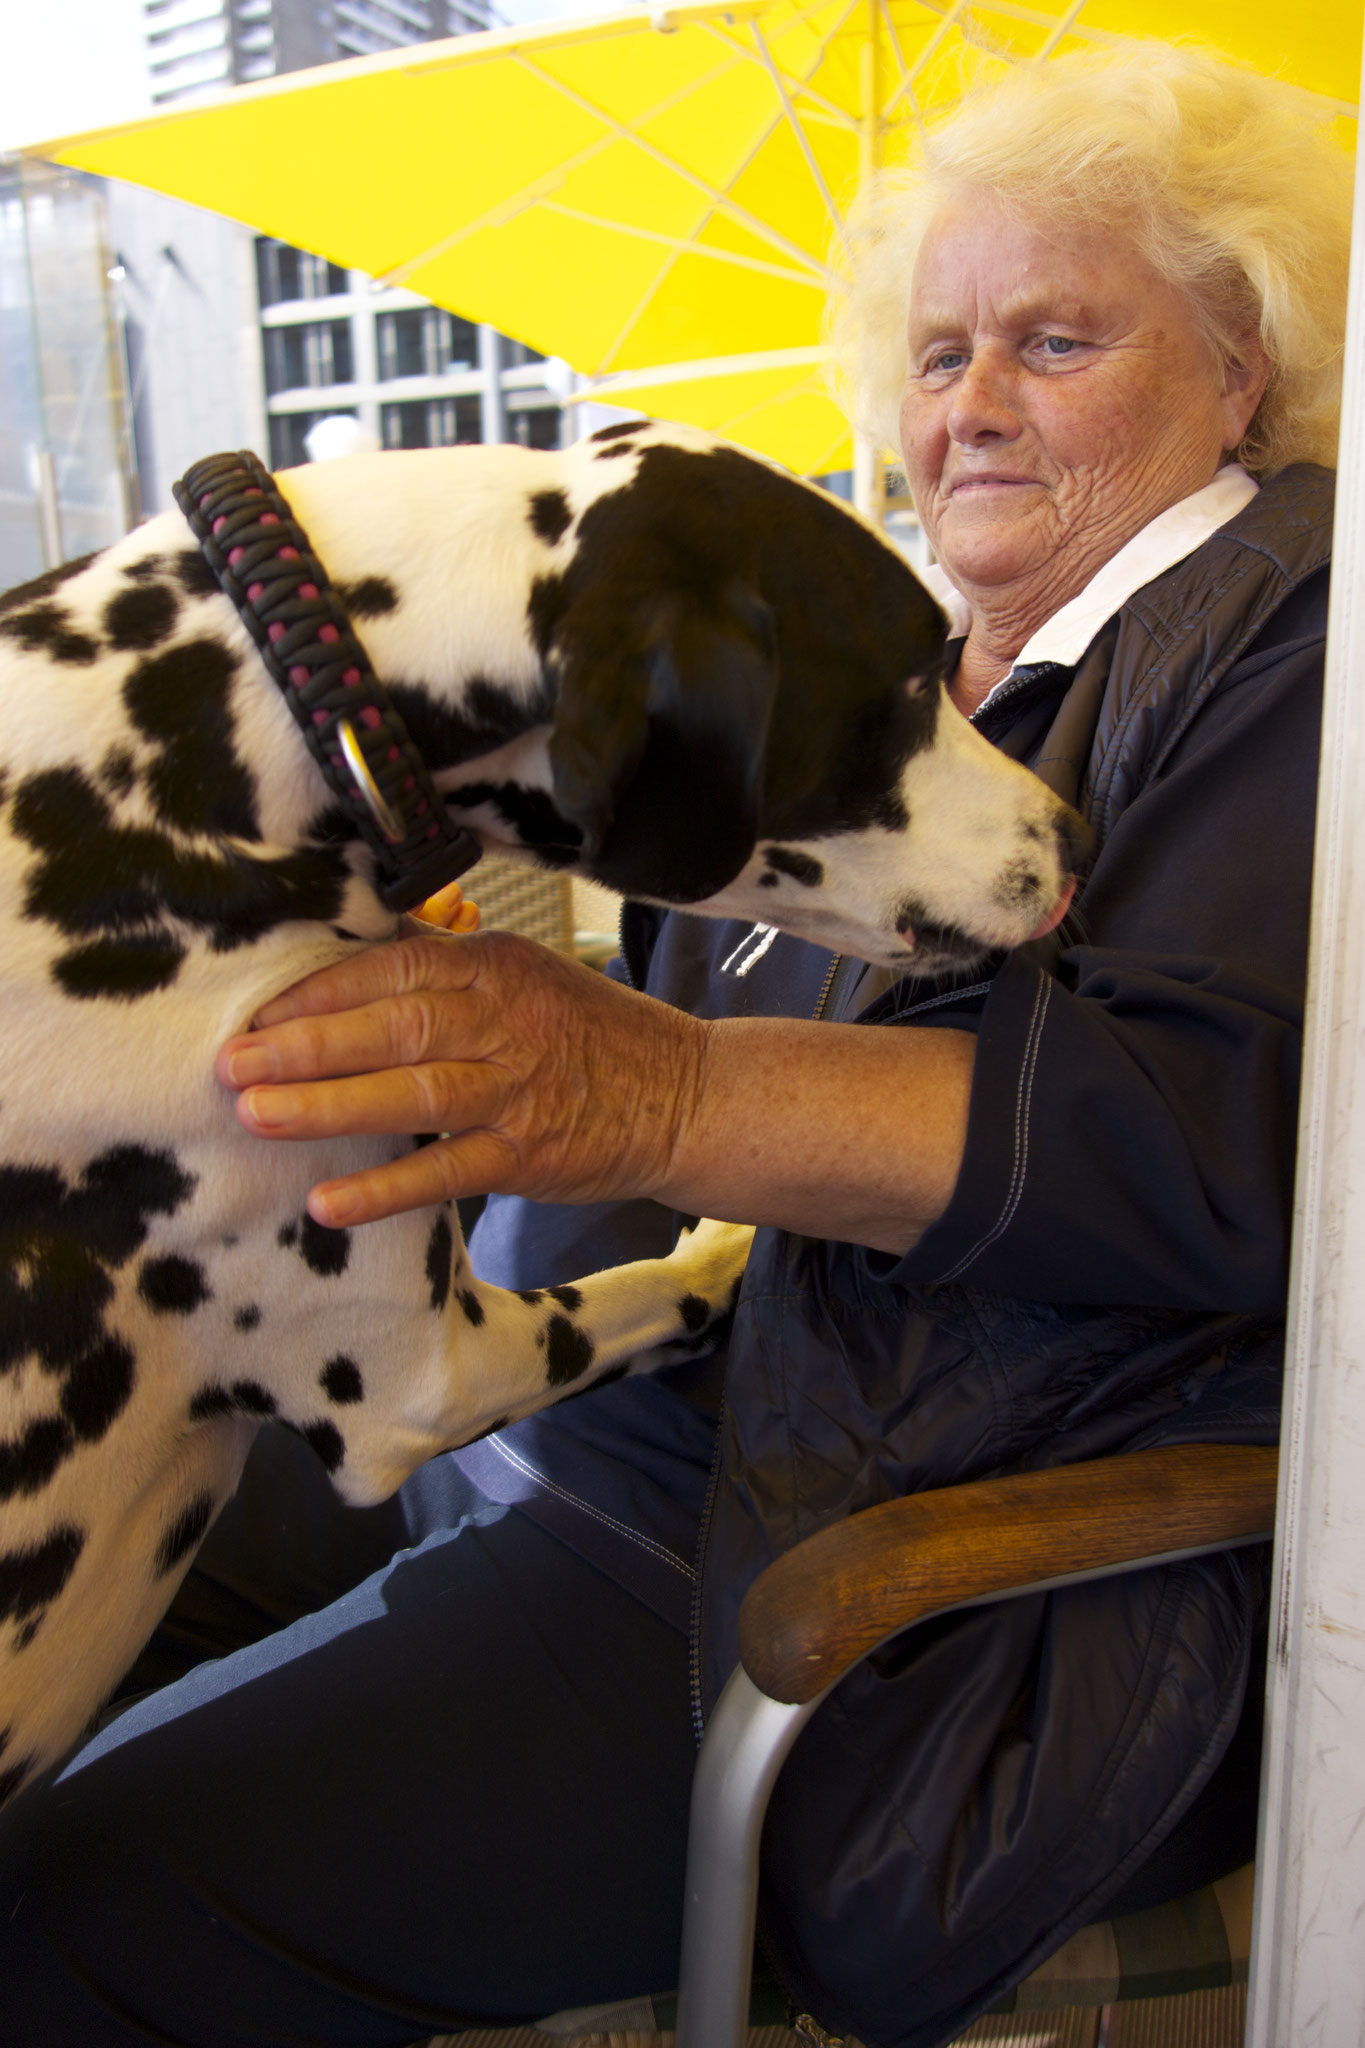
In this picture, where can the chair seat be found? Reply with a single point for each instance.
(1197, 1943)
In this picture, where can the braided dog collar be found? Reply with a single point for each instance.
(262, 558)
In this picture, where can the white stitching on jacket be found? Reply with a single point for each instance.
(1022, 1109)
(529, 1471)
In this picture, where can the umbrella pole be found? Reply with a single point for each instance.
(869, 471)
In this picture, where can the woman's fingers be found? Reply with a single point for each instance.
(549, 1080)
(450, 1167)
(438, 1096)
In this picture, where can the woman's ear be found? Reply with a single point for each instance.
(1245, 377)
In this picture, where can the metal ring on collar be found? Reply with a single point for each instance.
(387, 820)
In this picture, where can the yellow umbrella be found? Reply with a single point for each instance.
(655, 188)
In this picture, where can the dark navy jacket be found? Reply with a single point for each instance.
(1110, 1274)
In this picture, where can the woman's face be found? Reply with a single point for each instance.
(1059, 396)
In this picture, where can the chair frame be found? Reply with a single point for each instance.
(826, 1604)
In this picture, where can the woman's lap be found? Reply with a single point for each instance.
(458, 1791)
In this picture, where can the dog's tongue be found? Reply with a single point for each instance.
(1058, 911)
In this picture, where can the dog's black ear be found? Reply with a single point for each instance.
(659, 740)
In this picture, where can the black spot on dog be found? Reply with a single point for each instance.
(140, 618)
(121, 969)
(149, 570)
(327, 1441)
(95, 877)
(173, 1286)
(28, 1461)
(246, 1318)
(545, 607)
(195, 575)
(210, 1401)
(550, 515)
(767, 881)
(44, 585)
(198, 783)
(249, 1397)
(785, 860)
(487, 716)
(59, 1245)
(616, 430)
(287, 1236)
(332, 826)
(694, 1311)
(621, 448)
(370, 597)
(243, 1397)
(567, 1297)
(472, 1306)
(340, 1380)
(532, 1296)
(118, 771)
(322, 1250)
(532, 814)
(440, 1251)
(98, 1389)
(31, 1579)
(47, 629)
(185, 1534)
(568, 1351)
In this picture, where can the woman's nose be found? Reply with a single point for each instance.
(983, 406)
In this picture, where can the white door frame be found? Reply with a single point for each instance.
(1308, 1946)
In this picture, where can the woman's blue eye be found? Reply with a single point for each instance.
(1058, 344)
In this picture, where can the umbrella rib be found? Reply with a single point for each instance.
(682, 245)
(517, 203)
(765, 133)
(802, 139)
(925, 57)
(741, 214)
(800, 88)
(1062, 28)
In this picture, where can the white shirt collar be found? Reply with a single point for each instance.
(1162, 543)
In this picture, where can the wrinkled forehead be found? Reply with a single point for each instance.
(984, 264)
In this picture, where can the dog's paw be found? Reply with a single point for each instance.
(707, 1264)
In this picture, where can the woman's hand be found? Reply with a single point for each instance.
(549, 1080)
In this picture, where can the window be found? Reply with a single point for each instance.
(288, 430)
(534, 426)
(308, 357)
(431, 422)
(516, 354)
(283, 274)
(425, 342)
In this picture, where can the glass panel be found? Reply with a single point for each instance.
(64, 453)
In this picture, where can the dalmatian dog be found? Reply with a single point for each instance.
(649, 659)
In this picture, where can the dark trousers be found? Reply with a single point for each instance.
(424, 1766)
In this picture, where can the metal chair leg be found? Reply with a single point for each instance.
(745, 1747)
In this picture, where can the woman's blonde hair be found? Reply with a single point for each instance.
(1230, 184)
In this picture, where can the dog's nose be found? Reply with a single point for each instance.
(1058, 911)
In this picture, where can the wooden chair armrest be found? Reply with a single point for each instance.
(823, 1605)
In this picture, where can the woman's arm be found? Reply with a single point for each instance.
(558, 1084)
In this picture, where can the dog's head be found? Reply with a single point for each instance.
(751, 721)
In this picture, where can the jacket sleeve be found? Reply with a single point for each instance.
(1133, 1117)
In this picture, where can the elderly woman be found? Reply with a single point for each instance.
(1032, 1217)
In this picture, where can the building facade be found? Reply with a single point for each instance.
(200, 46)
(237, 340)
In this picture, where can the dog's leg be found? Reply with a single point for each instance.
(494, 1356)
